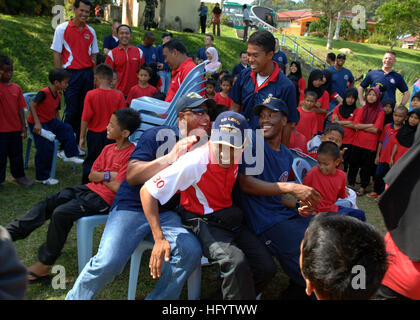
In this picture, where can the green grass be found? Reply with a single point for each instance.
(27, 41)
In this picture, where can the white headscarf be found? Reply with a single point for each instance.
(214, 63)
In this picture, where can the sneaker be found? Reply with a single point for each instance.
(75, 160)
(61, 154)
(49, 181)
(24, 181)
(81, 152)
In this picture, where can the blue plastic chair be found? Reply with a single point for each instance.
(155, 112)
(300, 168)
(85, 228)
(28, 99)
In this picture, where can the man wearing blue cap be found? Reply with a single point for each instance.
(205, 177)
(271, 216)
(127, 225)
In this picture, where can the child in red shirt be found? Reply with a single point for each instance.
(100, 104)
(45, 116)
(330, 182)
(210, 91)
(12, 124)
(404, 139)
(222, 97)
(308, 120)
(143, 88)
(385, 146)
(70, 204)
(369, 123)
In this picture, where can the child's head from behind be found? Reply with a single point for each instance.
(210, 87)
(389, 105)
(335, 250)
(414, 117)
(104, 75)
(6, 69)
(328, 156)
(59, 78)
(415, 101)
(399, 115)
(309, 100)
(226, 84)
(334, 133)
(144, 73)
(123, 123)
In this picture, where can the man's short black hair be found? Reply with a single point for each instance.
(128, 119)
(334, 249)
(58, 75)
(149, 34)
(123, 25)
(334, 127)
(175, 44)
(242, 52)
(86, 2)
(329, 148)
(5, 60)
(331, 56)
(104, 71)
(215, 110)
(264, 39)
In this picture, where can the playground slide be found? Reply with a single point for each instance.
(262, 18)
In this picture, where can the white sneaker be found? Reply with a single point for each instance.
(49, 181)
(74, 159)
(81, 152)
(61, 154)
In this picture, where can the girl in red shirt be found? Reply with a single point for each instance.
(368, 123)
(317, 84)
(143, 88)
(405, 137)
(296, 77)
(222, 97)
(344, 114)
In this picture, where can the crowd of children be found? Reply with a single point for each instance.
(366, 140)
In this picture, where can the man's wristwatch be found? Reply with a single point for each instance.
(107, 176)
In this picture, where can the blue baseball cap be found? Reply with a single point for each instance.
(193, 100)
(229, 129)
(272, 103)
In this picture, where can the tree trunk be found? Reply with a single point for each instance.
(162, 11)
(337, 28)
(330, 33)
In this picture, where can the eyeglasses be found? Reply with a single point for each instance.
(198, 111)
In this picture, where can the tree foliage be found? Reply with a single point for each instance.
(28, 7)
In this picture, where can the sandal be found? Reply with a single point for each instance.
(38, 278)
(372, 195)
(361, 192)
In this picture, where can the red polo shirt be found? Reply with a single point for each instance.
(387, 142)
(226, 101)
(76, 46)
(99, 106)
(11, 101)
(178, 76)
(368, 140)
(126, 63)
(46, 109)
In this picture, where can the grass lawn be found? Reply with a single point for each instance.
(27, 40)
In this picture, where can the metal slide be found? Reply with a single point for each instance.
(260, 18)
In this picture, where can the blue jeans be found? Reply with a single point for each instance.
(123, 232)
(165, 76)
(351, 212)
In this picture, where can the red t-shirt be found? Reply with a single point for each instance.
(99, 106)
(348, 132)
(11, 101)
(400, 150)
(308, 123)
(126, 63)
(113, 160)
(137, 92)
(46, 109)
(298, 141)
(387, 142)
(325, 104)
(331, 187)
(302, 84)
(403, 275)
(226, 101)
(368, 140)
(178, 76)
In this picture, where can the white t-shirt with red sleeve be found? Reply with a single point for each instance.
(205, 186)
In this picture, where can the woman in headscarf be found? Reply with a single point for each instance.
(368, 123)
(214, 65)
(296, 77)
(404, 139)
(344, 115)
(315, 84)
